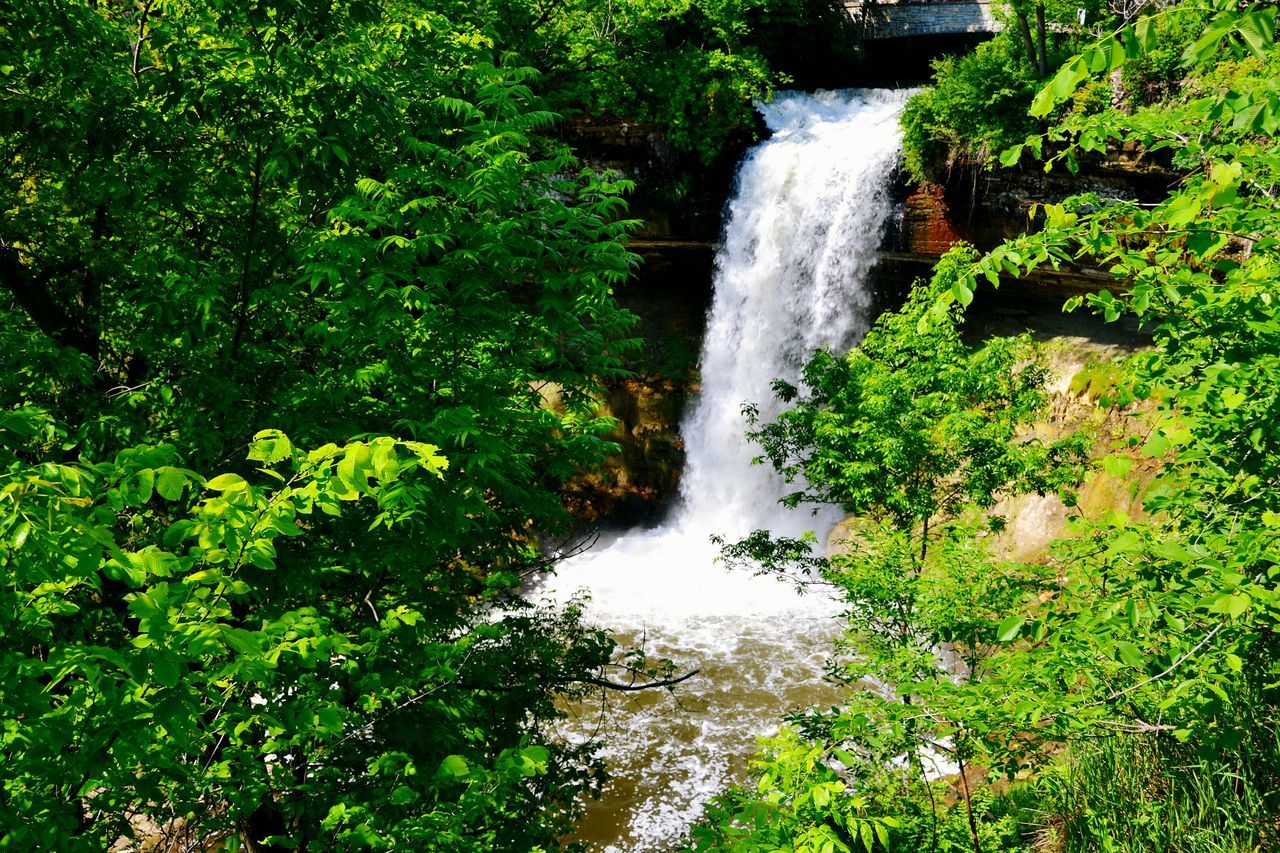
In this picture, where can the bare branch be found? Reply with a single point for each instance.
(142, 36)
(648, 685)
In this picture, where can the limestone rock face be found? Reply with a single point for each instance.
(638, 481)
(669, 295)
(677, 196)
(1082, 355)
(986, 207)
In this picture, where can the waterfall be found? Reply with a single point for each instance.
(802, 230)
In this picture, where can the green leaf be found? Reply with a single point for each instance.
(146, 485)
(241, 641)
(1009, 628)
(270, 446)
(170, 482)
(1257, 28)
(455, 767)
(1157, 445)
(1145, 32)
(1011, 156)
(821, 796)
(20, 534)
(1062, 86)
(226, 483)
(1117, 466)
(1238, 604)
(537, 753)
(1130, 655)
(404, 795)
(328, 719)
(166, 670)
(1204, 48)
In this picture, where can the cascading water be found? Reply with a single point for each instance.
(802, 231)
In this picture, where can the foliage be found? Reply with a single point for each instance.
(1128, 794)
(913, 426)
(800, 802)
(977, 102)
(187, 667)
(1157, 73)
(977, 105)
(1198, 269)
(1146, 648)
(692, 67)
(225, 223)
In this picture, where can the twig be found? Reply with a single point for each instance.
(142, 36)
(1117, 694)
(648, 685)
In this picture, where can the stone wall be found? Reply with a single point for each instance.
(910, 19)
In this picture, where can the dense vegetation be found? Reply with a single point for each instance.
(284, 289)
(1121, 696)
(978, 103)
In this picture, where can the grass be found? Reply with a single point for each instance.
(1127, 794)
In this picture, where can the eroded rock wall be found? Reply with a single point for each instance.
(985, 207)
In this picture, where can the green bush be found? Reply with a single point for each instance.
(976, 106)
(1158, 74)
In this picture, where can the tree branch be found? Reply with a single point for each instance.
(142, 36)
(648, 685)
(33, 293)
(1132, 687)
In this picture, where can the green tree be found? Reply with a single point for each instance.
(914, 425)
(1183, 594)
(225, 223)
(692, 68)
(976, 104)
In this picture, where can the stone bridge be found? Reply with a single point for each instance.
(888, 20)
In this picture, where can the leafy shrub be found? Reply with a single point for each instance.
(976, 106)
(1157, 74)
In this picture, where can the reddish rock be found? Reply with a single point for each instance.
(927, 226)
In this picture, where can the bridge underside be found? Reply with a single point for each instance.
(878, 21)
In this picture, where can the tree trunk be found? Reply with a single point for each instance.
(1044, 58)
(968, 802)
(1024, 29)
(34, 292)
